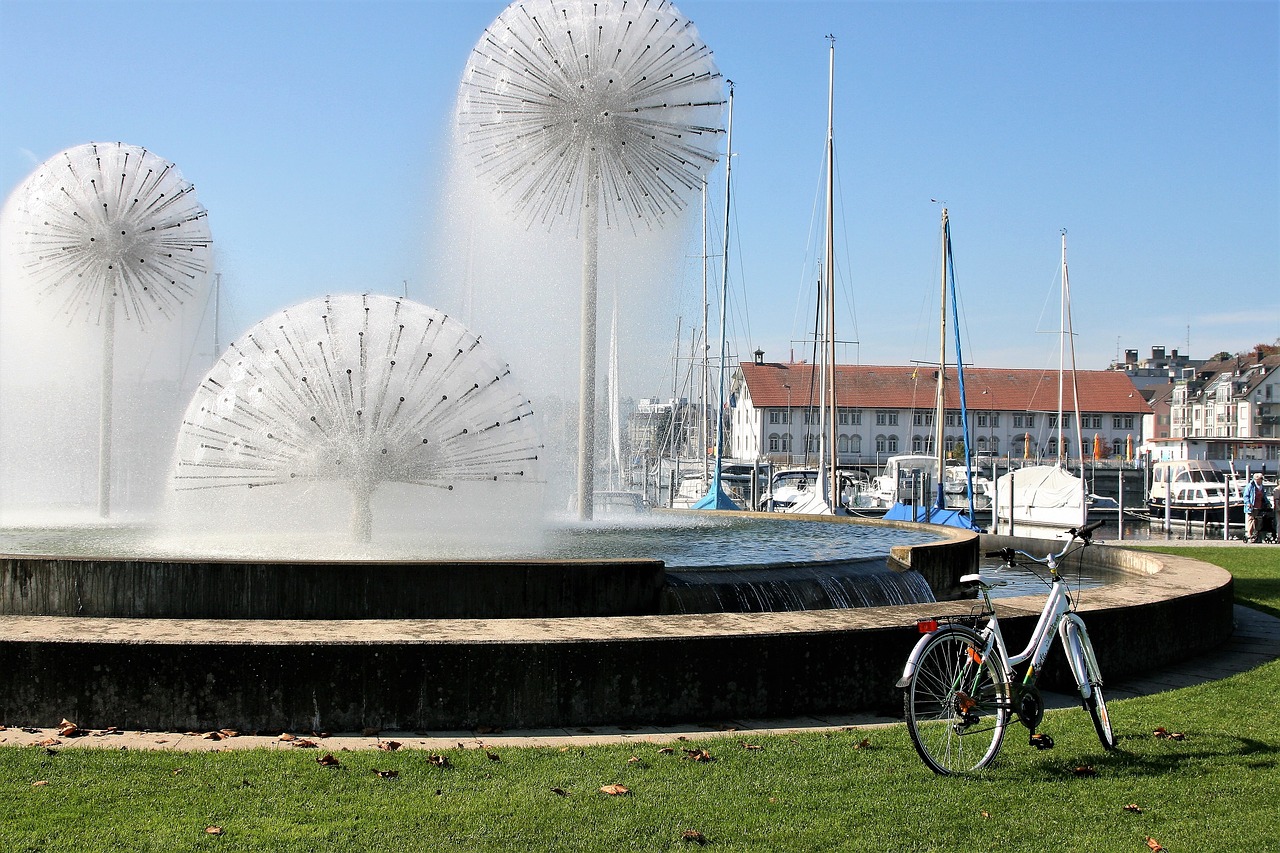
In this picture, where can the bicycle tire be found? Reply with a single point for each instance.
(956, 707)
(1079, 645)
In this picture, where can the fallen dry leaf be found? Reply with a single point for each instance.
(109, 730)
(69, 729)
(327, 760)
(177, 771)
(390, 745)
(287, 737)
(438, 760)
(40, 784)
(746, 745)
(49, 741)
(1154, 845)
(865, 743)
(1164, 734)
(1133, 807)
(698, 755)
(560, 791)
(693, 835)
(666, 750)
(615, 790)
(387, 774)
(1085, 770)
(986, 814)
(304, 743)
(212, 736)
(228, 733)
(213, 830)
(493, 756)
(635, 759)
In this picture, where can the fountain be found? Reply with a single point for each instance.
(572, 109)
(362, 391)
(108, 229)
(445, 603)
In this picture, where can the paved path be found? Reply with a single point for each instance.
(1255, 641)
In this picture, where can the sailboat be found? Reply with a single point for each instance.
(936, 511)
(1050, 496)
(807, 491)
(716, 498)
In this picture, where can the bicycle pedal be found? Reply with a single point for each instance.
(1041, 741)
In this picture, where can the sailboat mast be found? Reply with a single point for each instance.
(940, 403)
(830, 275)
(1062, 341)
(724, 293)
(706, 351)
(1071, 342)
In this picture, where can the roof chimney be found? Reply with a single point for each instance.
(759, 356)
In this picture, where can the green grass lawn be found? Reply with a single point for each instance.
(1213, 790)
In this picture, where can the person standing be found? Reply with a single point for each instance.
(1256, 506)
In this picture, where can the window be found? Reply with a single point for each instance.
(1031, 422)
(995, 419)
(786, 443)
(775, 445)
(775, 416)
(882, 445)
(842, 444)
(1128, 422)
(949, 443)
(882, 418)
(1017, 421)
(1116, 422)
(1053, 421)
(854, 417)
(855, 444)
(893, 421)
(982, 419)
(917, 444)
(952, 418)
(893, 442)
(923, 419)
(810, 443)
(1117, 448)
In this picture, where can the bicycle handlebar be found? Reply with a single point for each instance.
(1084, 534)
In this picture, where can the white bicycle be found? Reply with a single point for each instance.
(960, 685)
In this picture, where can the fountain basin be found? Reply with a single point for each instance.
(448, 674)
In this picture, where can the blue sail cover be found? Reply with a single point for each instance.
(715, 498)
(931, 515)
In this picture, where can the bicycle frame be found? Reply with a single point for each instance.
(1053, 619)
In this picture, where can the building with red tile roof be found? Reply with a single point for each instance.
(886, 410)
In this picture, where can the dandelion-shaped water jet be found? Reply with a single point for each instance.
(570, 107)
(107, 227)
(360, 390)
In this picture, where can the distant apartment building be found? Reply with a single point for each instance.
(1225, 409)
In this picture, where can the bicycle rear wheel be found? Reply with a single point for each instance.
(1081, 649)
(956, 703)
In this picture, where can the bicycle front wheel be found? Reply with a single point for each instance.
(1081, 649)
(956, 703)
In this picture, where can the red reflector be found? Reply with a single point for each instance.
(924, 626)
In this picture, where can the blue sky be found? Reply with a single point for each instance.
(317, 135)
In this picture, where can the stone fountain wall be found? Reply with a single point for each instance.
(450, 674)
